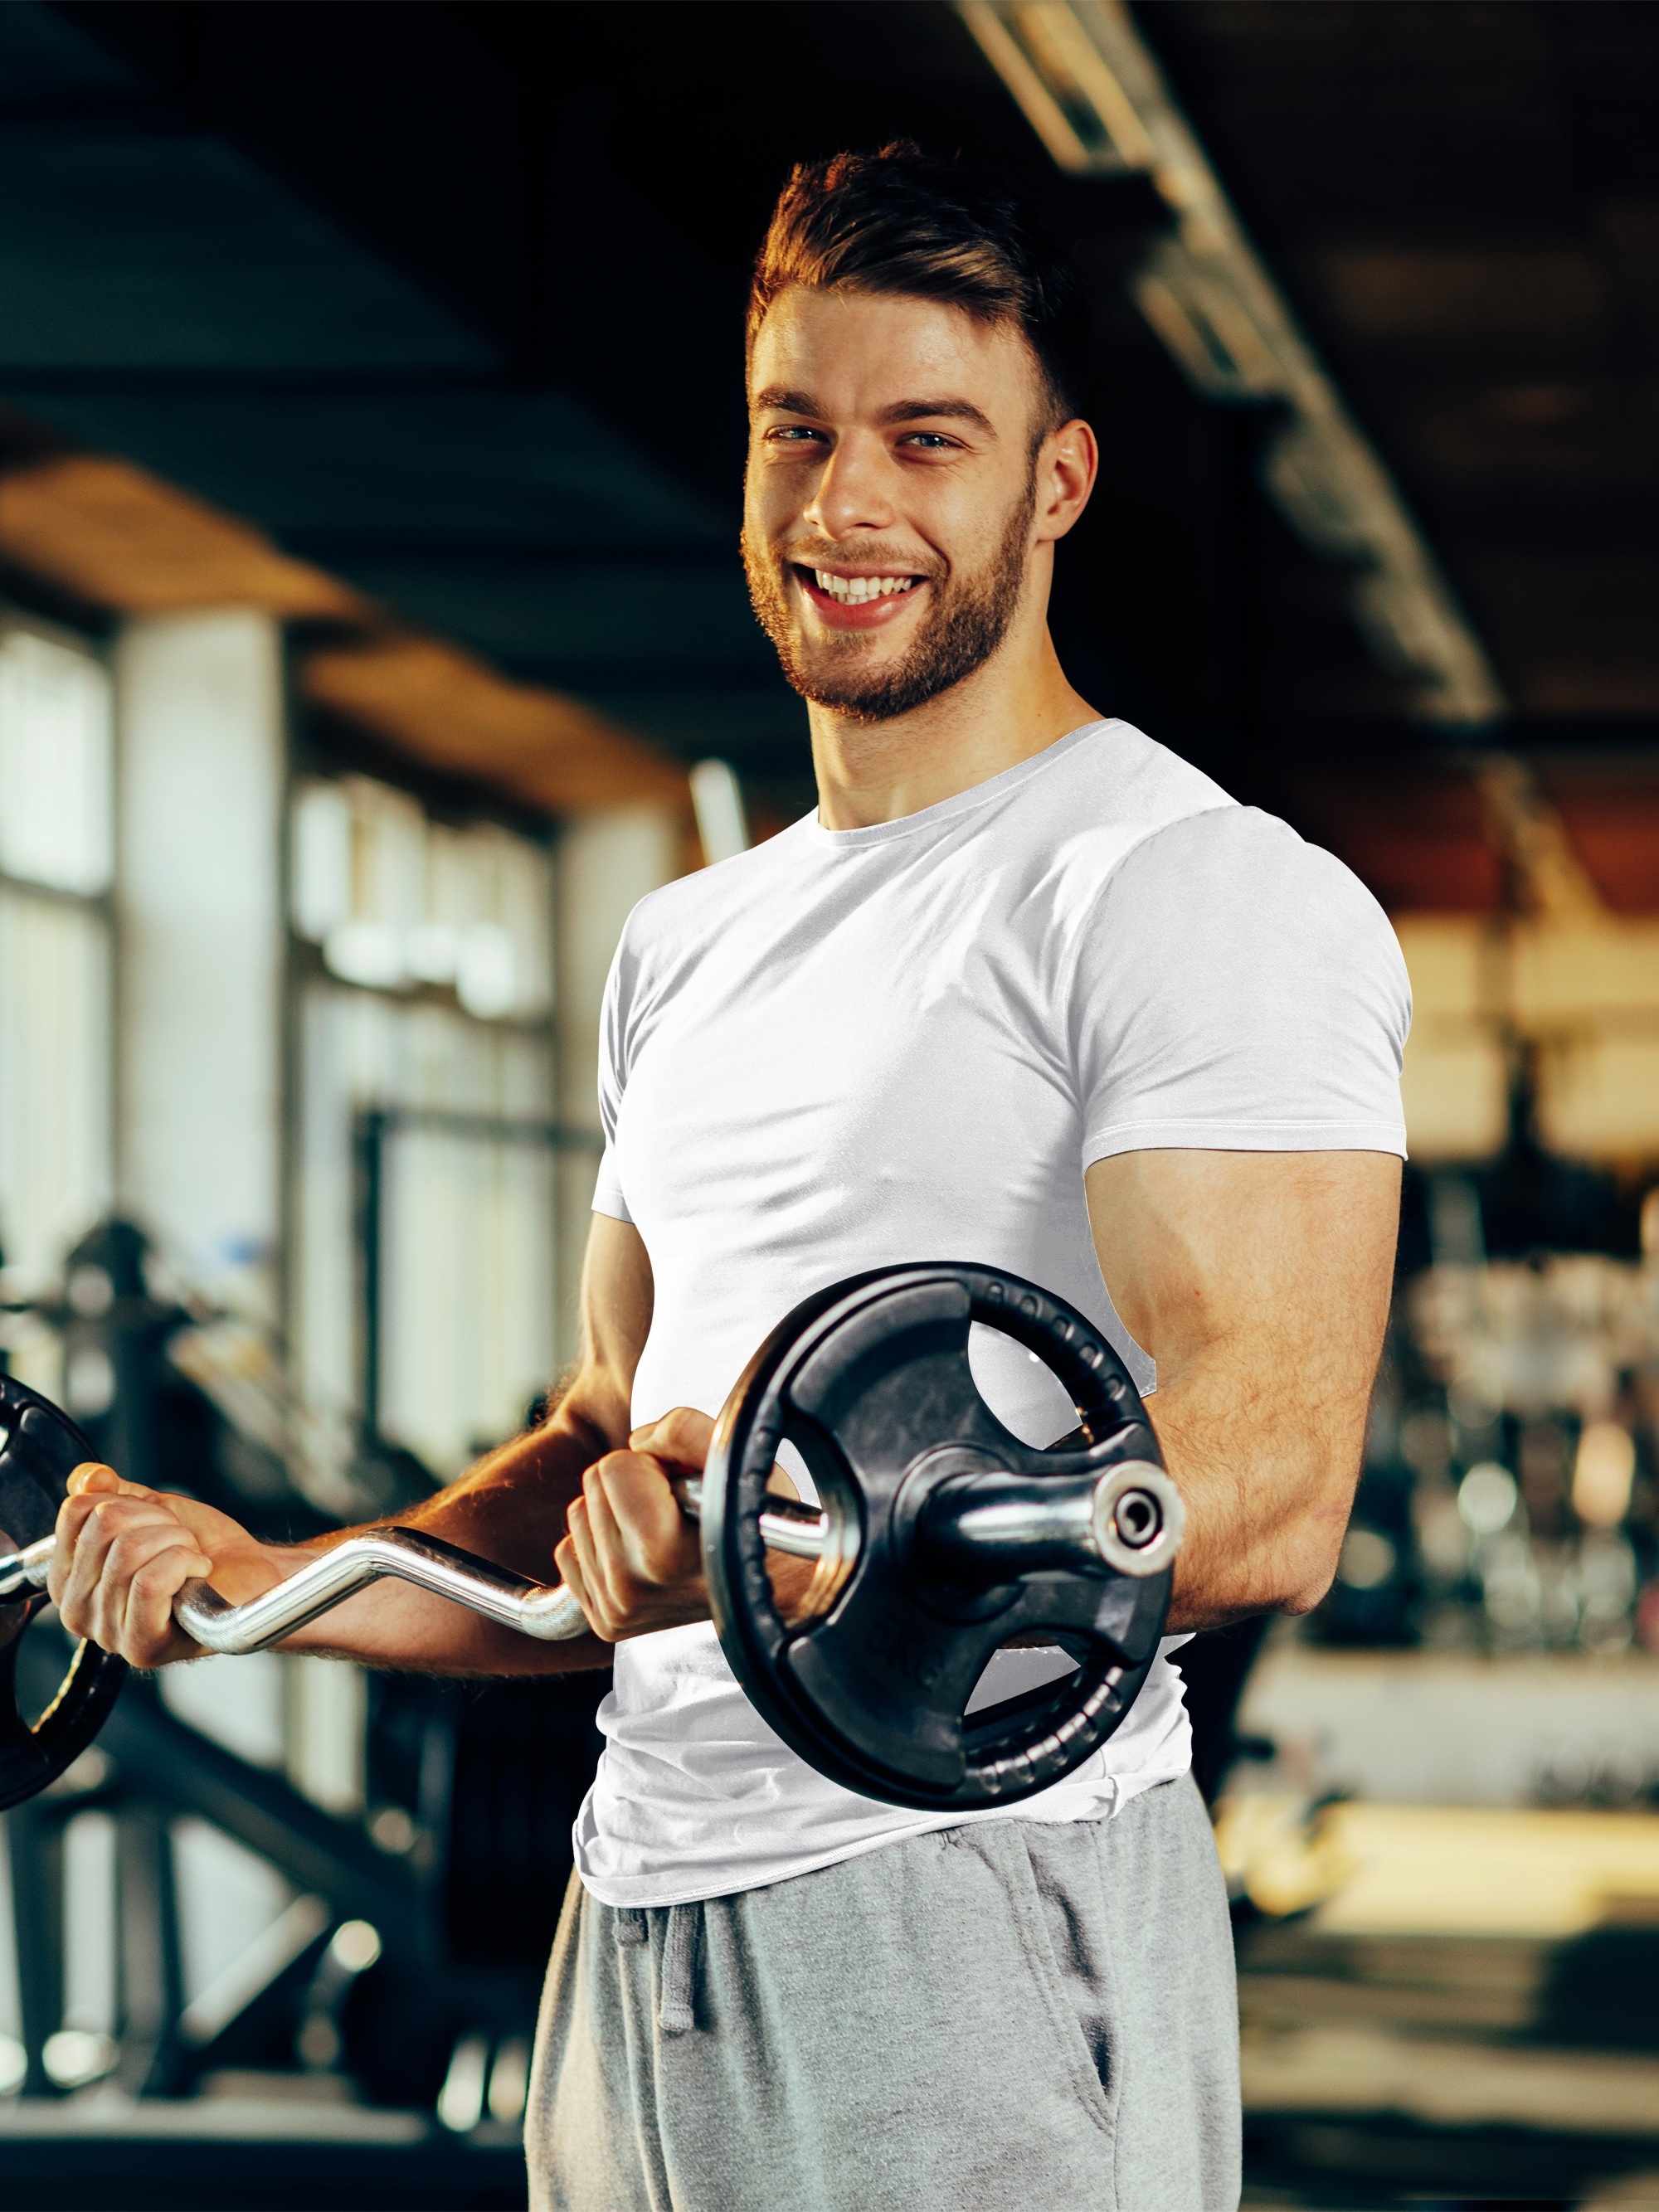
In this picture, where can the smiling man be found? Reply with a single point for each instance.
(1028, 990)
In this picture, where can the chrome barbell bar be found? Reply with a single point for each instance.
(1130, 1519)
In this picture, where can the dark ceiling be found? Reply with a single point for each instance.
(447, 299)
(1463, 201)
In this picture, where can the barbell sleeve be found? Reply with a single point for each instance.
(1131, 1517)
(22, 1573)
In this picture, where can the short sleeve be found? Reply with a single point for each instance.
(1236, 990)
(608, 1190)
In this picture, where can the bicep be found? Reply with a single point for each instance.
(1279, 1260)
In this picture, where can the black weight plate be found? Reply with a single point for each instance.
(40, 1449)
(868, 1379)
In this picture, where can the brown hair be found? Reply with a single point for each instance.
(895, 221)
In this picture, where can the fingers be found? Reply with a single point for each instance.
(92, 1476)
(143, 1629)
(121, 1557)
(607, 1563)
(630, 1557)
(680, 1439)
(581, 1569)
(72, 1515)
(633, 1511)
(683, 1439)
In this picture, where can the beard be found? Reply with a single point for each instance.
(967, 623)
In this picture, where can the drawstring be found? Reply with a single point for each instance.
(678, 1959)
(678, 1970)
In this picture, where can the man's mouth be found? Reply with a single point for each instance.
(867, 600)
(854, 591)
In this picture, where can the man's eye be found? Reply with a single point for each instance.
(933, 440)
(791, 433)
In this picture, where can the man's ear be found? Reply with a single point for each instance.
(1068, 462)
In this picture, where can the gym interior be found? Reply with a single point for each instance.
(372, 637)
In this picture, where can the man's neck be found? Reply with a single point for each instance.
(1015, 706)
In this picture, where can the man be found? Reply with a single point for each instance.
(1026, 990)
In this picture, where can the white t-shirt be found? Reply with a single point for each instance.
(851, 1048)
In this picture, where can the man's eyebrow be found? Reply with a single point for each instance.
(950, 410)
(779, 399)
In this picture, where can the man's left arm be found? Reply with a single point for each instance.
(1259, 1284)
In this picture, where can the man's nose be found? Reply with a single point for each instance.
(853, 493)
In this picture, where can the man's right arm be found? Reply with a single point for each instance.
(123, 1553)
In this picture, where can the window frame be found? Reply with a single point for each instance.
(103, 905)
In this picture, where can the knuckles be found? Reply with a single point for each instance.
(630, 1557)
(158, 1575)
(618, 1466)
(130, 1550)
(113, 1550)
(110, 1519)
(682, 1425)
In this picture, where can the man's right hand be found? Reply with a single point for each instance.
(631, 1558)
(123, 1553)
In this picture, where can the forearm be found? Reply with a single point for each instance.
(513, 1508)
(1259, 1284)
(123, 1552)
(1267, 1489)
(510, 1509)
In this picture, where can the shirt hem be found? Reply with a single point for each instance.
(642, 1894)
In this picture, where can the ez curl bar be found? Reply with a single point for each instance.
(939, 1537)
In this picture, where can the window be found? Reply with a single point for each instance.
(423, 1027)
(57, 864)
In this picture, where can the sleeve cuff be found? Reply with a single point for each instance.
(608, 1190)
(1244, 1137)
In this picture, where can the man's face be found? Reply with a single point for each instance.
(889, 494)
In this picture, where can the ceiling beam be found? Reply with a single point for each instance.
(116, 536)
(1093, 92)
(119, 538)
(454, 713)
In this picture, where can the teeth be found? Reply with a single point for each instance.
(854, 591)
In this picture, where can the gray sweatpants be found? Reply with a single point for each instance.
(1001, 2015)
